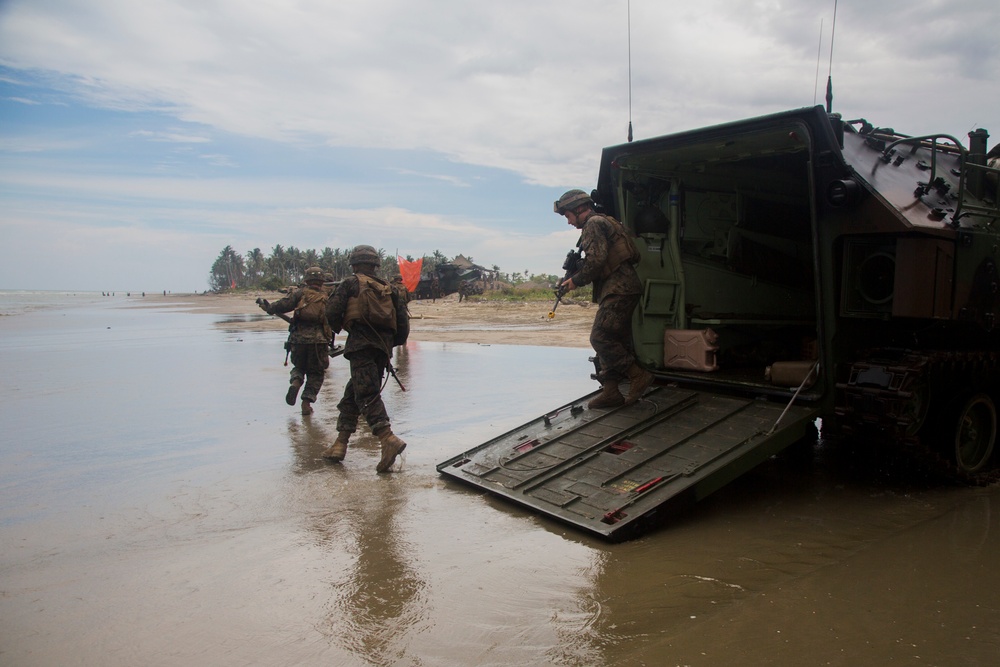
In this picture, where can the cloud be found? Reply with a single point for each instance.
(437, 122)
(170, 137)
(520, 86)
(446, 178)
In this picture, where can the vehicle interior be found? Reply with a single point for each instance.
(725, 231)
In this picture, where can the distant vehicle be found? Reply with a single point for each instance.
(795, 267)
(445, 279)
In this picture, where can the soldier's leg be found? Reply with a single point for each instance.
(611, 336)
(315, 364)
(297, 375)
(347, 424)
(347, 420)
(367, 373)
(369, 397)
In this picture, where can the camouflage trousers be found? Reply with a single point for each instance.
(363, 393)
(309, 364)
(611, 336)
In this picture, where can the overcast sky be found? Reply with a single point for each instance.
(139, 138)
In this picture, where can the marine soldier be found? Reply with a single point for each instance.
(608, 262)
(309, 337)
(375, 317)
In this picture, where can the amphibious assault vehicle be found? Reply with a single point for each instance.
(445, 279)
(797, 269)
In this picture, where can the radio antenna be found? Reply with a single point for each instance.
(628, 6)
(829, 76)
(819, 49)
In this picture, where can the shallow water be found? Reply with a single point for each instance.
(161, 505)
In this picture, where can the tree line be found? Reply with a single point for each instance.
(286, 266)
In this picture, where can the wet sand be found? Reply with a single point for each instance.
(161, 505)
(447, 320)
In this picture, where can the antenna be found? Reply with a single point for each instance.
(819, 48)
(629, 16)
(829, 76)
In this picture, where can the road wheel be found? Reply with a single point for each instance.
(916, 410)
(974, 433)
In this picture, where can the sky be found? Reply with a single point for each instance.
(138, 139)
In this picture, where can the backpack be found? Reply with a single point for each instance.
(311, 309)
(312, 306)
(373, 305)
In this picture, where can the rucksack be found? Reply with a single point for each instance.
(312, 306)
(372, 306)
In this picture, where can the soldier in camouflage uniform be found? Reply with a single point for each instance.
(608, 263)
(368, 349)
(309, 336)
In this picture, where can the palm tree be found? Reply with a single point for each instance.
(285, 266)
(276, 266)
(295, 266)
(227, 271)
(326, 260)
(255, 267)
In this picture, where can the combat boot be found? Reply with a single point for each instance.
(307, 408)
(639, 380)
(293, 391)
(392, 447)
(338, 450)
(610, 397)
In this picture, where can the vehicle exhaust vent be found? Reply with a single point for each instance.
(869, 279)
(911, 277)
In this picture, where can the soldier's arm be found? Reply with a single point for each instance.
(402, 317)
(336, 305)
(284, 305)
(594, 244)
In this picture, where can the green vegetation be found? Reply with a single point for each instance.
(286, 266)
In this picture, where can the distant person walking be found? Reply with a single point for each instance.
(609, 260)
(375, 317)
(309, 337)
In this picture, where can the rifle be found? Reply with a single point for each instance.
(570, 265)
(335, 350)
(392, 372)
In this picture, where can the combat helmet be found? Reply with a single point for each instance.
(364, 254)
(314, 274)
(571, 200)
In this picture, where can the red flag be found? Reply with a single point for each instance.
(410, 272)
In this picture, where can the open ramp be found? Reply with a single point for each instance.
(611, 472)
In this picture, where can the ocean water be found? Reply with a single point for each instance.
(18, 302)
(160, 504)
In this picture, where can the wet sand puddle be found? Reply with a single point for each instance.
(162, 505)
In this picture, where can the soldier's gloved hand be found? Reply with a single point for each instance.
(264, 305)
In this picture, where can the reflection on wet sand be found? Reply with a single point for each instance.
(378, 600)
(376, 596)
(309, 436)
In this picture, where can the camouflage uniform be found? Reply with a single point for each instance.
(368, 350)
(310, 346)
(616, 296)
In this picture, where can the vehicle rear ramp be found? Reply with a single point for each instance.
(612, 472)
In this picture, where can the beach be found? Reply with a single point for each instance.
(445, 320)
(160, 504)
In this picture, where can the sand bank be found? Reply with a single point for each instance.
(441, 320)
